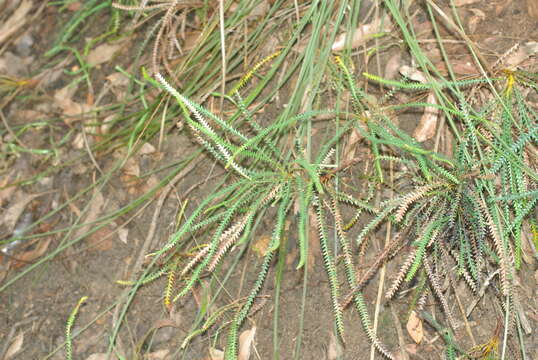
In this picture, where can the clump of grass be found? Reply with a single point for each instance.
(452, 211)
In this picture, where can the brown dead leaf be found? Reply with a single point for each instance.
(260, 245)
(523, 53)
(413, 74)
(32, 255)
(74, 6)
(246, 340)
(465, 2)
(16, 208)
(501, 6)
(477, 17)
(414, 327)
(361, 35)
(464, 66)
(147, 149)
(335, 350)
(351, 145)
(527, 247)
(532, 8)
(6, 192)
(216, 354)
(131, 167)
(393, 65)
(157, 355)
(428, 122)
(192, 38)
(96, 204)
(98, 356)
(259, 10)
(16, 21)
(123, 234)
(119, 84)
(101, 240)
(102, 54)
(411, 349)
(62, 99)
(15, 346)
(13, 65)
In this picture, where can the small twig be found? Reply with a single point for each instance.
(381, 276)
(89, 150)
(481, 293)
(444, 332)
(380, 259)
(223, 53)
(399, 331)
(10, 131)
(460, 306)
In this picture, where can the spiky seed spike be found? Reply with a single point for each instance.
(69, 325)
(244, 80)
(411, 198)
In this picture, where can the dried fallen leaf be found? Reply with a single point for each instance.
(393, 65)
(16, 20)
(335, 350)
(157, 355)
(477, 17)
(465, 2)
(216, 354)
(101, 240)
(414, 327)
(260, 245)
(16, 208)
(428, 122)
(361, 35)
(523, 53)
(532, 8)
(97, 356)
(123, 234)
(74, 6)
(6, 192)
(147, 149)
(32, 255)
(15, 346)
(95, 206)
(13, 65)
(501, 6)
(246, 340)
(62, 99)
(102, 54)
(413, 74)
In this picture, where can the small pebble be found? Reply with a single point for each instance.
(24, 45)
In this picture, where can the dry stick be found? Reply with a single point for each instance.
(153, 226)
(481, 292)
(89, 150)
(399, 331)
(382, 277)
(380, 259)
(10, 131)
(223, 53)
(11, 334)
(460, 306)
